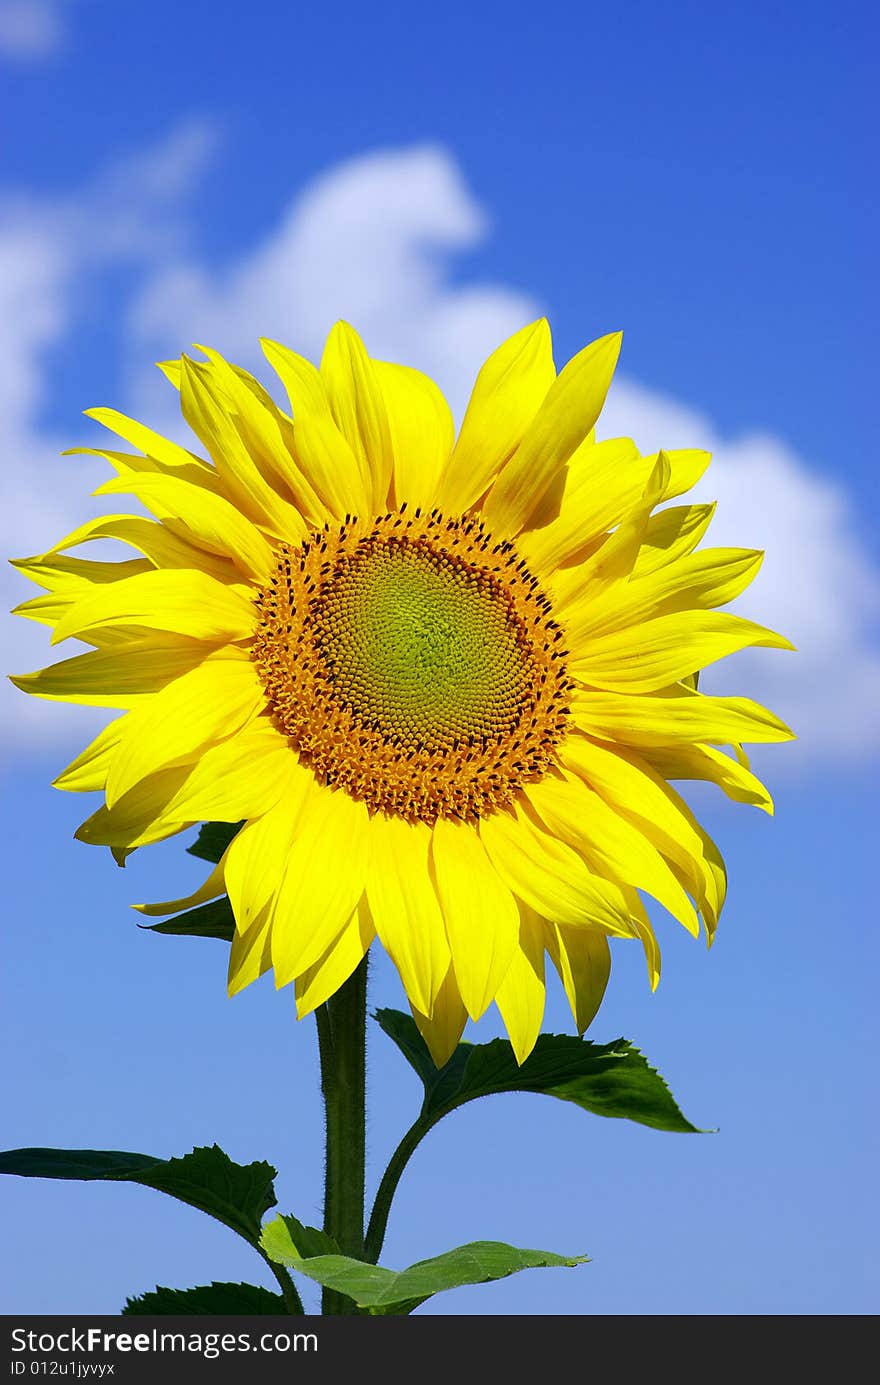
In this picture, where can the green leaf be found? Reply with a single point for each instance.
(236, 1194)
(607, 1079)
(222, 1299)
(281, 1232)
(380, 1290)
(213, 920)
(213, 839)
(87, 1164)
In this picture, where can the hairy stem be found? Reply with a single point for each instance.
(292, 1301)
(388, 1187)
(342, 1025)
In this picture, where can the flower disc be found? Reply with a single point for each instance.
(414, 663)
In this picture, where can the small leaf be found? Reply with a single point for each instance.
(212, 920)
(216, 1298)
(607, 1079)
(284, 1232)
(213, 839)
(380, 1290)
(236, 1194)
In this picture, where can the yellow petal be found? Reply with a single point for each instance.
(211, 888)
(240, 777)
(155, 541)
(603, 482)
(583, 959)
(661, 651)
(357, 403)
(172, 370)
(194, 470)
(509, 390)
(706, 579)
(609, 843)
(185, 602)
(573, 403)
(257, 854)
(139, 818)
(405, 907)
(163, 451)
(122, 462)
(250, 955)
(201, 519)
(69, 579)
(422, 433)
(74, 576)
(637, 793)
(212, 701)
(45, 610)
(339, 477)
(443, 1028)
(713, 766)
(324, 878)
(267, 436)
(88, 772)
(112, 679)
(548, 875)
(645, 933)
(521, 995)
(675, 717)
(319, 982)
(207, 413)
(672, 534)
(482, 920)
(595, 581)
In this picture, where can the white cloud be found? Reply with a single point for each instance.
(30, 30)
(49, 251)
(817, 584)
(138, 209)
(374, 240)
(37, 493)
(370, 241)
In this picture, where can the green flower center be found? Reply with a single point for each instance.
(421, 648)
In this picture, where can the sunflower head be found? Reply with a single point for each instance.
(443, 683)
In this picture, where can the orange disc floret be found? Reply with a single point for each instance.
(413, 662)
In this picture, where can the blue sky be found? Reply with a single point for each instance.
(693, 176)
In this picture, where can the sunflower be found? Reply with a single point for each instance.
(441, 683)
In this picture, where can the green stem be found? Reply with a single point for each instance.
(388, 1187)
(292, 1301)
(342, 1025)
